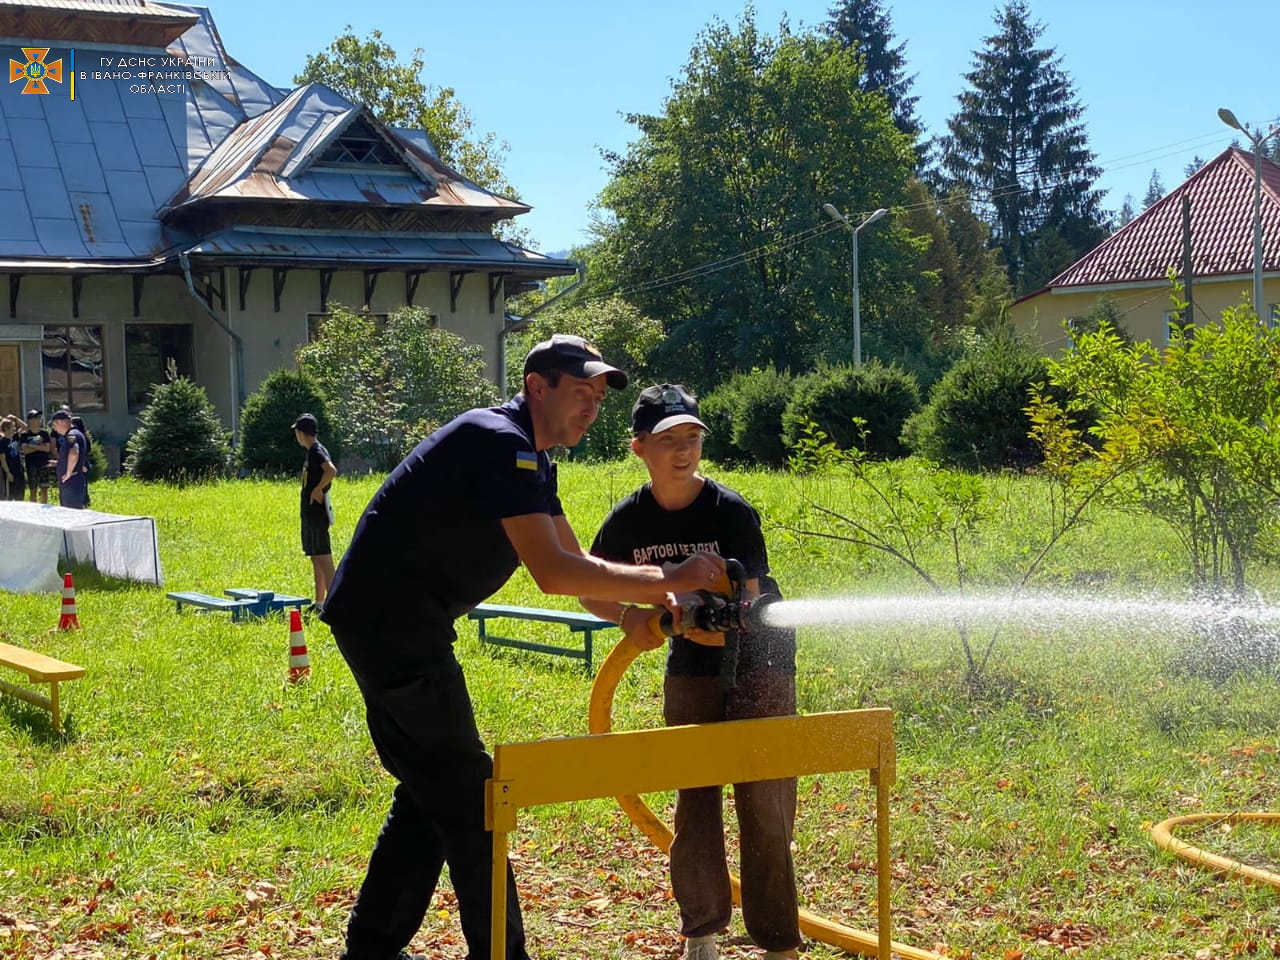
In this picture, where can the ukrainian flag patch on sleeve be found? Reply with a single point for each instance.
(525, 460)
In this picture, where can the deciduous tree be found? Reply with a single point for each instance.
(1194, 426)
(716, 210)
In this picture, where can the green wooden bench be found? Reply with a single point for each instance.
(39, 669)
(577, 622)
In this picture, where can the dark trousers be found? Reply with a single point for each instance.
(74, 493)
(424, 730)
(766, 818)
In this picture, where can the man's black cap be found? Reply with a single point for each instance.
(60, 415)
(307, 423)
(662, 407)
(32, 414)
(574, 356)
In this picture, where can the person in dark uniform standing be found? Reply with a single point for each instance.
(676, 512)
(451, 524)
(73, 462)
(317, 512)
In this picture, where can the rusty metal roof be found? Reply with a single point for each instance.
(278, 156)
(121, 8)
(278, 246)
(81, 23)
(98, 179)
(1221, 196)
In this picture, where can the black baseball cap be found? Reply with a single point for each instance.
(307, 423)
(662, 407)
(32, 414)
(574, 356)
(61, 415)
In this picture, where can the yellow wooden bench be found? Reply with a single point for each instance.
(39, 669)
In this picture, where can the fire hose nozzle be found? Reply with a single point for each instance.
(714, 614)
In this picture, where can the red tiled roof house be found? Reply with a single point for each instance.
(1132, 265)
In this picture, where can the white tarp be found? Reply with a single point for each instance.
(33, 536)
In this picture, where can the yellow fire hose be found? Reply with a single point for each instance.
(1162, 834)
(600, 720)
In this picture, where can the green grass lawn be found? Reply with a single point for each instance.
(200, 806)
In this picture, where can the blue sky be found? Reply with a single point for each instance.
(552, 79)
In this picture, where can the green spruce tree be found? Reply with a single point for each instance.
(863, 24)
(1018, 144)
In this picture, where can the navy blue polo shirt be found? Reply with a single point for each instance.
(430, 545)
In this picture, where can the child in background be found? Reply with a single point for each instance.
(317, 514)
(13, 480)
(36, 446)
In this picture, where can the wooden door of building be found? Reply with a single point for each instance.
(11, 379)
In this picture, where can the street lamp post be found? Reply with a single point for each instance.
(835, 214)
(1257, 138)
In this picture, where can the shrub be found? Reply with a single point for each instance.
(882, 397)
(763, 396)
(716, 410)
(179, 437)
(97, 459)
(267, 443)
(385, 389)
(976, 416)
(744, 419)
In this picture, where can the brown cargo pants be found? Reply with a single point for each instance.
(766, 814)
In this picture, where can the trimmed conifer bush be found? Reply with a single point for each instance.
(179, 437)
(267, 444)
(884, 397)
(744, 417)
(976, 417)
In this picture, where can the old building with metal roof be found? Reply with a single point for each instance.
(1132, 265)
(160, 202)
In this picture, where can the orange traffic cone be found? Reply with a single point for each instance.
(68, 620)
(299, 662)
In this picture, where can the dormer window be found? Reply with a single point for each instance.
(359, 146)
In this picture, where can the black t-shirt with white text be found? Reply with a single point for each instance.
(640, 531)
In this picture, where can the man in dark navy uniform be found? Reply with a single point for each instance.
(73, 462)
(452, 522)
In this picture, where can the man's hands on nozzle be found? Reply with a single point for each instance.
(701, 571)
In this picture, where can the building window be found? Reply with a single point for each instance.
(148, 350)
(73, 370)
(359, 146)
(1273, 316)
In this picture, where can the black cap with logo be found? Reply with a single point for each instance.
(306, 422)
(574, 356)
(662, 407)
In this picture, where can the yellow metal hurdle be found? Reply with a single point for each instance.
(673, 758)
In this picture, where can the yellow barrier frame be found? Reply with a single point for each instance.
(675, 758)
